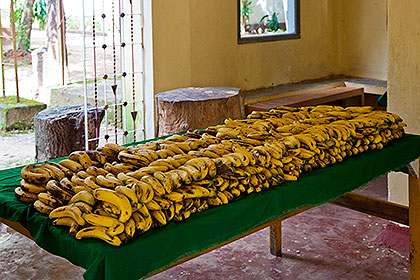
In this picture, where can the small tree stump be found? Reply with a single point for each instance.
(61, 130)
(191, 108)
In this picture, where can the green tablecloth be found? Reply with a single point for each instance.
(160, 247)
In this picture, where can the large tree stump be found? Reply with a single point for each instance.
(191, 108)
(61, 130)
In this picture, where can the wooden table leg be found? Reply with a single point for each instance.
(414, 221)
(275, 239)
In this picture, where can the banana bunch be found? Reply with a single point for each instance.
(115, 193)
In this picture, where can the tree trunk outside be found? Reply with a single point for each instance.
(24, 41)
(55, 65)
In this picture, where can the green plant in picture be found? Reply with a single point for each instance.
(246, 11)
(273, 24)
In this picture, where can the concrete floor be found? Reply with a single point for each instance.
(326, 242)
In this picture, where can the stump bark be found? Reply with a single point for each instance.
(191, 108)
(61, 130)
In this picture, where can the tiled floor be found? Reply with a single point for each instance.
(327, 242)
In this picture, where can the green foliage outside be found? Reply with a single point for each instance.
(10, 102)
(39, 15)
(72, 22)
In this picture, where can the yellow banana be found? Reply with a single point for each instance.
(116, 198)
(67, 185)
(159, 216)
(200, 165)
(175, 196)
(153, 205)
(49, 200)
(90, 182)
(163, 203)
(165, 180)
(71, 165)
(192, 171)
(36, 177)
(53, 187)
(130, 194)
(42, 207)
(143, 191)
(68, 211)
(156, 185)
(81, 157)
(65, 221)
(144, 212)
(107, 182)
(140, 221)
(100, 233)
(130, 228)
(32, 188)
(83, 196)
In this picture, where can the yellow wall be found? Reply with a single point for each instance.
(403, 75)
(363, 38)
(195, 44)
(171, 44)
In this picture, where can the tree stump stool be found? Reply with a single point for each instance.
(191, 108)
(61, 130)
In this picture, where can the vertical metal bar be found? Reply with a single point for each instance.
(104, 65)
(84, 77)
(143, 65)
(94, 69)
(134, 112)
(122, 68)
(2, 59)
(12, 11)
(62, 41)
(414, 221)
(114, 86)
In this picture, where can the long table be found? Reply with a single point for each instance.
(161, 248)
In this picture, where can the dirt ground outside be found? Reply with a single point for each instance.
(21, 258)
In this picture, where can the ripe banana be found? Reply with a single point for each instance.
(130, 194)
(154, 183)
(42, 207)
(116, 198)
(83, 196)
(69, 211)
(143, 191)
(53, 187)
(82, 158)
(100, 233)
(38, 176)
(71, 165)
(130, 228)
(49, 200)
(31, 188)
(159, 216)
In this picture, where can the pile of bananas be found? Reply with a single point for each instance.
(115, 193)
